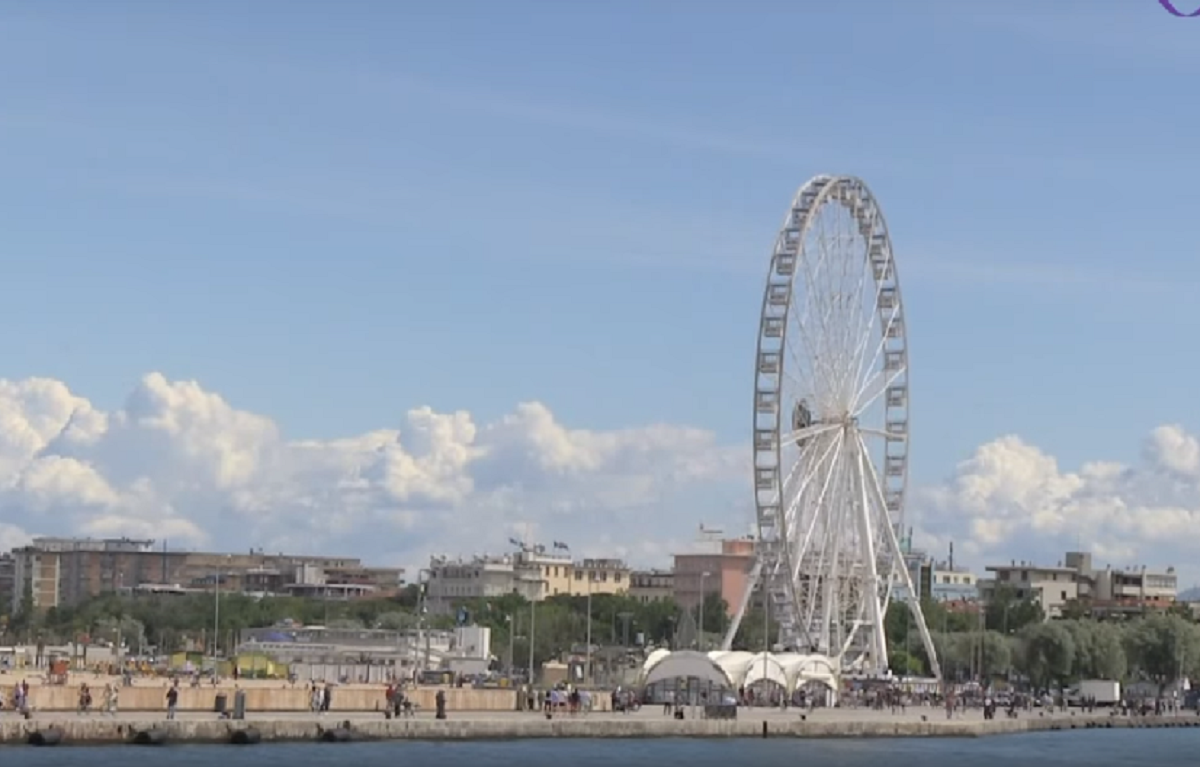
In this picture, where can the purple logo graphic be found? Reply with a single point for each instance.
(1171, 9)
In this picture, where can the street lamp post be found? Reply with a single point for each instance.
(625, 617)
(532, 631)
(700, 634)
(588, 664)
(422, 608)
(216, 612)
(766, 623)
(512, 632)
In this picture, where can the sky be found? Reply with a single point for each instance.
(396, 278)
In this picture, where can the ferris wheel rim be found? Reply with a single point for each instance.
(771, 482)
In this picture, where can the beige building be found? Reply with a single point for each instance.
(1076, 579)
(652, 585)
(58, 572)
(1050, 587)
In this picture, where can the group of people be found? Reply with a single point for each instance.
(20, 698)
(110, 699)
(320, 697)
(398, 703)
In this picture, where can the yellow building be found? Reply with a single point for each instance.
(545, 575)
(549, 575)
(599, 576)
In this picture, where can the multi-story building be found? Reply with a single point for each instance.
(1051, 587)
(1075, 580)
(938, 581)
(722, 570)
(530, 573)
(8, 584)
(480, 577)
(64, 571)
(599, 576)
(652, 585)
(552, 573)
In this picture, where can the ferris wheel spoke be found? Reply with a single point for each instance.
(866, 400)
(864, 365)
(881, 346)
(813, 469)
(883, 434)
(835, 449)
(801, 435)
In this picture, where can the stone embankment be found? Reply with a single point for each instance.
(466, 726)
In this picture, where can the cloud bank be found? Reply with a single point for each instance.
(178, 462)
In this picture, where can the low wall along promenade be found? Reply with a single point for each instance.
(150, 696)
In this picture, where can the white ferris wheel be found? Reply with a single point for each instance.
(831, 433)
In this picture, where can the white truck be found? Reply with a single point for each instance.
(1104, 692)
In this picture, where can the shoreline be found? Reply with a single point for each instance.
(462, 726)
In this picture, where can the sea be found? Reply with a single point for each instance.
(1085, 748)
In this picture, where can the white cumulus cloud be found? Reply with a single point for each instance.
(1011, 500)
(178, 462)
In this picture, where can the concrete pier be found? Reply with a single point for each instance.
(100, 729)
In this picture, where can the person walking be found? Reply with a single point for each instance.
(172, 701)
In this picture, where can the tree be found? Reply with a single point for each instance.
(1163, 648)
(995, 656)
(1009, 614)
(1047, 654)
(716, 613)
(903, 663)
(1109, 659)
(754, 634)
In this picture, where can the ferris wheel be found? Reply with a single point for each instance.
(831, 434)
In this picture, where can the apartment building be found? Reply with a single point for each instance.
(481, 577)
(531, 573)
(722, 570)
(652, 585)
(600, 576)
(8, 584)
(64, 571)
(940, 581)
(1077, 580)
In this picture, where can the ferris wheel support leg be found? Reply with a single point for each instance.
(914, 604)
(879, 651)
(735, 624)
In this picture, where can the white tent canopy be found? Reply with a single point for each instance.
(654, 657)
(765, 667)
(686, 664)
(790, 671)
(732, 663)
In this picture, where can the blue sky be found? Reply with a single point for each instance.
(331, 213)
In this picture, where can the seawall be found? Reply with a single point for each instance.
(99, 730)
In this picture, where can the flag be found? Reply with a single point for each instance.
(561, 545)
